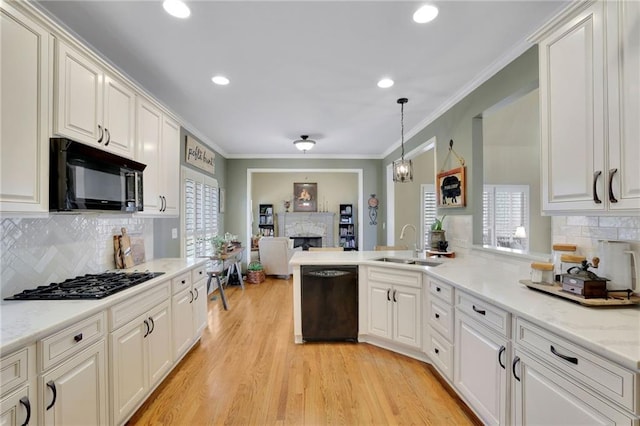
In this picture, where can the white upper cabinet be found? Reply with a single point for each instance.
(589, 110)
(623, 58)
(92, 106)
(24, 133)
(158, 146)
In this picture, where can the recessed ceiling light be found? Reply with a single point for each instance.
(176, 8)
(220, 80)
(385, 83)
(426, 13)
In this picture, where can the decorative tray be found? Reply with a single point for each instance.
(614, 299)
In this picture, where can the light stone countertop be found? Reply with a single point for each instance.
(613, 333)
(24, 322)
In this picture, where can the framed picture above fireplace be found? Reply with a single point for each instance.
(305, 197)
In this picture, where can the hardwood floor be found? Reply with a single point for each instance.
(247, 370)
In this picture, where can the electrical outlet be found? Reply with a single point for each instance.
(174, 233)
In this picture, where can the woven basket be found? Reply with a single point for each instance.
(255, 277)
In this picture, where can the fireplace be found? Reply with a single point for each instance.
(306, 241)
(316, 227)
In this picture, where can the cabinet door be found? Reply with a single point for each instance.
(480, 359)
(159, 349)
(380, 315)
(24, 110)
(128, 368)
(199, 307)
(545, 397)
(119, 117)
(572, 114)
(79, 97)
(170, 188)
(182, 321)
(149, 132)
(624, 103)
(75, 393)
(18, 408)
(407, 315)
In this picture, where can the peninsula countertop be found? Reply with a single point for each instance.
(23, 322)
(613, 333)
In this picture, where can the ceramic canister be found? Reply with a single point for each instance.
(615, 264)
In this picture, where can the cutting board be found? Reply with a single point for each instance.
(125, 249)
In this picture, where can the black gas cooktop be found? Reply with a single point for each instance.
(90, 286)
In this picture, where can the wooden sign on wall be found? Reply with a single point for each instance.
(199, 155)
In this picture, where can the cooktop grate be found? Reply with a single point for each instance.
(90, 286)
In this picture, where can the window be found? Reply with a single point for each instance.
(200, 216)
(429, 212)
(505, 216)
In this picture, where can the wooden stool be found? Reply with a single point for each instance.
(217, 274)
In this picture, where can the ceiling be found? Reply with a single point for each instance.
(305, 67)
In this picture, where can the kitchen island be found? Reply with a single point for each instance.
(492, 338)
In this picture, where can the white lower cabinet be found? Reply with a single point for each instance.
(481, 358)
(544, 396)
(75, 393)
(18, 401)
(395, 305)
(439, 348)
(189, 305)
(141, 353)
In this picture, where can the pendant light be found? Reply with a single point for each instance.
(402, 169)
(304, 144)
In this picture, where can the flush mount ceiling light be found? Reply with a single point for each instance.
(304, 144)
(176, 8)
(220, 80)
(385, 83)
(426, 13)
(402, 169)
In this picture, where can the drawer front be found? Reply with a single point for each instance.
(441, 354)
(128, 310)
(600, 374)
(14, 369)
(181, 282)
(199, 273)
(441, 290)
(441, 318)
(485, 313)
(395, 276)
(71, 340)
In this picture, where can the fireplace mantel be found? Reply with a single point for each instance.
(307, 223)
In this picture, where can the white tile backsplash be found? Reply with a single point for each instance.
(39, 251)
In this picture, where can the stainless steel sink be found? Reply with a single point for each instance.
(405, 261)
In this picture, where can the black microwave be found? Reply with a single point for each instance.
(82, 177)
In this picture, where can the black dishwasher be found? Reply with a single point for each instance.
(329, 303)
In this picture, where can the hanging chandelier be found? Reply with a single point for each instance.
(304, 144)
(402, 169)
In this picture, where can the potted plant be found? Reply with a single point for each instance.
(255, 272)
(436, 234)
(219, 245)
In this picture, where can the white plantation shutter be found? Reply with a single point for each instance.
(200, 222)
(429, 212)
(505, 207)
